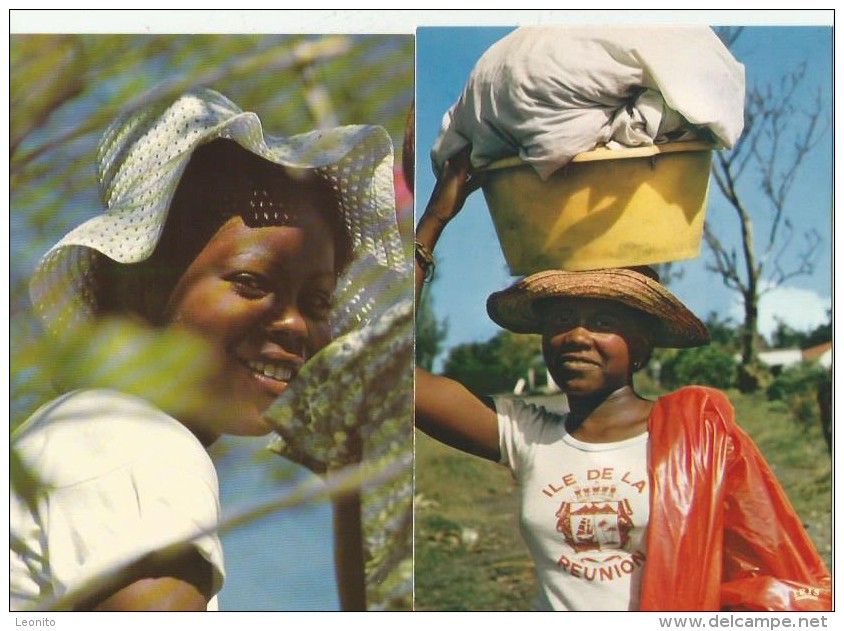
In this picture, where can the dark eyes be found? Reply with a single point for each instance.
(319, 304)
(250, 285)
(315, 302)
(607, 323)
(557, 320)
(564, 320)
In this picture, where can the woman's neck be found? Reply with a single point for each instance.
(204, 436)
(609, 417)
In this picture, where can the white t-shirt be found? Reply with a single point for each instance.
(120, 479)
(583, 509)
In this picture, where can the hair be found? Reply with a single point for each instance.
(222, 180)
(408, 162)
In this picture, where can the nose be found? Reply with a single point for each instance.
(288, 327)
(576, 335)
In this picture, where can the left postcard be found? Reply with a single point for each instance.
(211, 322)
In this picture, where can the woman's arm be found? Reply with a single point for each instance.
(172, 581)
(445, 409)
(448, 412)
(155, 594)
(454, 184)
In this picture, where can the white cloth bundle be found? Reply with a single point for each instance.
(549, 93)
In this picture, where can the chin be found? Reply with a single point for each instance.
(253, 426)
(573, 387)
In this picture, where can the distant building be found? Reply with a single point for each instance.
(820, 353)
(778, 359)
(538, 380)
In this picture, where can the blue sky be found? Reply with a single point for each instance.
(469, 260)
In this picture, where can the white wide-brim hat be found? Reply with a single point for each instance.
(141, 159)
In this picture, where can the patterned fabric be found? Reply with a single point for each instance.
(352, 402)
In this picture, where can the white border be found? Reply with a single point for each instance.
(386, 20)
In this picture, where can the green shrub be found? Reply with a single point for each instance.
(495, 365)
(797, 386)
(753, 377)
(801, 377)
(703, 366)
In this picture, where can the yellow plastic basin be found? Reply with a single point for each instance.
(606, 208)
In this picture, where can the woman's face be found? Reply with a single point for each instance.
(261, 297)
(590, 344)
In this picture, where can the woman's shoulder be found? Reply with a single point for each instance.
(693, 407)
(703, 395)
(532, 411)
(87, 433)
(111, 413)
(551, 404)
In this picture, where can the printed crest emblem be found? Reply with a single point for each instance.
(595, 523)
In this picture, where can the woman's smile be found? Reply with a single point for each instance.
(276, 372)
(258, 296)
(577, 361)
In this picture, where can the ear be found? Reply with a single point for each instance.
(640, 347)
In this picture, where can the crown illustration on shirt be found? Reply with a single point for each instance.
(596, 492)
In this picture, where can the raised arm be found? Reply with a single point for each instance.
(453, 186)
(445, 409)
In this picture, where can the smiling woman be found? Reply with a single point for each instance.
(249, 258)
(620, 494)
(237, 239)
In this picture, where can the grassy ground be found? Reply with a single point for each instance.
(469, 555)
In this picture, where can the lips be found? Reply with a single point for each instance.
(277, 371)
(574, 361)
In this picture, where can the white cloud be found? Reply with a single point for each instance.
(802, 309)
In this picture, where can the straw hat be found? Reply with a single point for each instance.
(141, 159)
(514, 308)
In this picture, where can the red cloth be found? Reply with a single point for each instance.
(722, 534)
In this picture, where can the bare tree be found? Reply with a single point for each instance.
(777, 137)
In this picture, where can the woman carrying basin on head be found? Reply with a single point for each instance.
(625, 503)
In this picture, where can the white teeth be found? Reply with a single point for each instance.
(273, 371)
